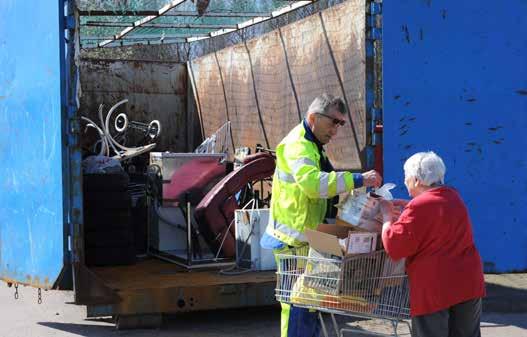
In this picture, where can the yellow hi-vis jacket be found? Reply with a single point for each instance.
(300, 188)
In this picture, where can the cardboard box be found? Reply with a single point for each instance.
(344, 276)
(326, 239)
(344, 223)
(361, 243)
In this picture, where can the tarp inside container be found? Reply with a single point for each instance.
(263, 77)
(265, 85)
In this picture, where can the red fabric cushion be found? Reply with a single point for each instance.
(193, 179)
(214, 213)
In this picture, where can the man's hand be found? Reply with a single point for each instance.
(371, 179)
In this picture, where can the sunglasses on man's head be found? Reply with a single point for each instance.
(335, 121)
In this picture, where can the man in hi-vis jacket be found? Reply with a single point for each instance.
(303, 181)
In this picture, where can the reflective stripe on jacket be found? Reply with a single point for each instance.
(300, 188)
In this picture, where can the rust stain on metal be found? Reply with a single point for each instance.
(30, 281)
(138, 65)
(181, 83)
(141, 82)
(190, 298)
(76, 212)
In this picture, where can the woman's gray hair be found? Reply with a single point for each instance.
(428, 167)
(324, 102)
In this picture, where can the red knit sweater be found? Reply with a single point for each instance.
(444, 267)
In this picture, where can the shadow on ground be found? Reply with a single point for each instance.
(263, 321)
(504, 306)
(505, 299)
(84, 330)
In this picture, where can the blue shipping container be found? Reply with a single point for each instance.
(32, 151)
(455, 82)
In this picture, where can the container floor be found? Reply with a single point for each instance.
(153, 272)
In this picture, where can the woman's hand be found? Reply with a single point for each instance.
(400, 203)
(387, 210)
(391, 210)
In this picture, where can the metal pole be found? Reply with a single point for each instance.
(189, 235)
(323, 324)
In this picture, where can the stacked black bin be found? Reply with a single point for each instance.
(108, 230)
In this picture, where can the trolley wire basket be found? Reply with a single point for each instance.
(366, 285)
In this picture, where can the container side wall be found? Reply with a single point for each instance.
(31, 148)
(455, 82)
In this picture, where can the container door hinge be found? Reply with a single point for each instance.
(69, 22)
(373, 81)
(75, 244)
(373, 21)
(74, 126)
(375, 8)
(375, 34)
(74, 129)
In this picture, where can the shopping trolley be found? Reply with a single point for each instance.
(365, 285)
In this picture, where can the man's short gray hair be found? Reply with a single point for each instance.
(427, 167)
(323, 103)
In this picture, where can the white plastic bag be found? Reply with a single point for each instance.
(361, 209)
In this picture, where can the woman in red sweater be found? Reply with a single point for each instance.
(434, 234)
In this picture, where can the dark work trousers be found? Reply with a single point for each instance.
(460, 320)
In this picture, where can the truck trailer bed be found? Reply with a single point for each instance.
(153, 286)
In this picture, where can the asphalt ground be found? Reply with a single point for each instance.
(505, 314)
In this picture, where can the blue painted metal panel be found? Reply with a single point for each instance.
(31, 147)
(371, 28)
(455, 81)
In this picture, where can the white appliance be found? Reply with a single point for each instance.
(250, 226)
